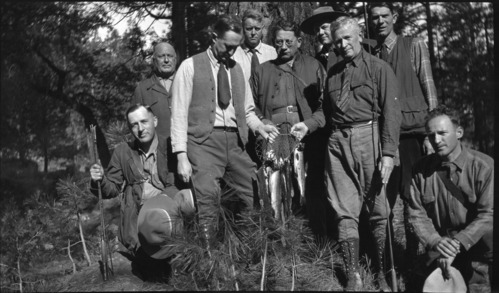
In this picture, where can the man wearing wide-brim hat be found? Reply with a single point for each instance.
(318, 25)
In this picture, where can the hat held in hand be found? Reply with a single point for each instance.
(437, 283)
(320, 16)
(160, 218)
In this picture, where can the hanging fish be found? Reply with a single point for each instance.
(299, 171)
(275, 193)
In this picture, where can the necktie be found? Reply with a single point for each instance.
(343, 101)
(254, 60)
(384, 52)
(223, 87)
(451, 171)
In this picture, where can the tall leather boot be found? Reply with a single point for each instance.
(207, 235)
(350, 255)
(379, 234)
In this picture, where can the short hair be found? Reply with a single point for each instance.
(442, 110)
(135, 107)
(155, 44)
(343, 22)
(286, 25)
(227, 23)
(253, 14)
(388, 5)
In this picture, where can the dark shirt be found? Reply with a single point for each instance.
(434, 212)
(371, 80)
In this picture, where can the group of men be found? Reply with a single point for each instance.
(360, 107)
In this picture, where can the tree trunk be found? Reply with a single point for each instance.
(429, 27)
(179, 34)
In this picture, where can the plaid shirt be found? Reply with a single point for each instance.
(434, 212)
(420, 58)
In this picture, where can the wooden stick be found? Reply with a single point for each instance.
(262, 283)
(105, 273)
(390, 247)
(85, 251)
(293, 272)
(233, 267)
(70, 257)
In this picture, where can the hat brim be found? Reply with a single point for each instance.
(175, 223)
(307, 26)
(436, 282)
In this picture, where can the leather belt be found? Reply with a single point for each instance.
(287, 109)
(225, 129)
(352, 125)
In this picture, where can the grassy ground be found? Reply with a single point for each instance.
(312, 272)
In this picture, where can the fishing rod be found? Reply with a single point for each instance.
(104, 245)
(389, 226)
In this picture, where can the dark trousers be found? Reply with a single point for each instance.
(150, 269)
(410, 151)
(221, 156)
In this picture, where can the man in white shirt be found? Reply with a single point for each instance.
(212, 110)
(253, 45)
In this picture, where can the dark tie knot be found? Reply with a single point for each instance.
(450, 167)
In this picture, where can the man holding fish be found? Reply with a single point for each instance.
(288, 90)
(362, 107)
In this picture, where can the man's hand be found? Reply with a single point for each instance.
(96, 172)
(427, 147)
(299, 130)
(385, 167)
(268, 132)
(184, 168)
(447, 247)
(444, 263)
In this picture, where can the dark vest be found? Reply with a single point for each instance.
(412, 102)
(203, 104)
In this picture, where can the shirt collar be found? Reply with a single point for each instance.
(355, 61)
(169, 78)
(460, 161)
(390, 40)
(152, 149)
(212, 57)
(257, 48)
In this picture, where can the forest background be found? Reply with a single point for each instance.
(60, 74)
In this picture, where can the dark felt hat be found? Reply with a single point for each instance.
(160, 218)
(319, 16)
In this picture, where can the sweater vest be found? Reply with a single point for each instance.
(412, 102)
(204, 99)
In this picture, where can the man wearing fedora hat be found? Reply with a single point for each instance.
(318, 24)
(451, 204)
(139, 169)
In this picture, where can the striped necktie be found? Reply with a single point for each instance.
(343, 102)
(254, 59)
(384, 52)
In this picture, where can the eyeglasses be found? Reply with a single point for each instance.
(281, 42)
